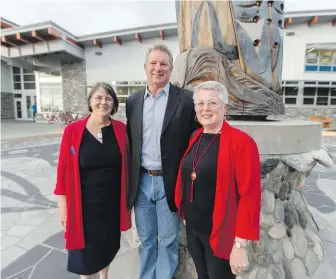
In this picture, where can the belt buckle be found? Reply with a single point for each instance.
(150, 173)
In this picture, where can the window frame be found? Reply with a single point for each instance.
(320, 67)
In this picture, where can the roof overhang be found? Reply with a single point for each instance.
(37, 39)
(310, 18)
(127, 35)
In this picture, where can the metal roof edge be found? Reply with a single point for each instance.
(39, 25)
(8, 22)
(127, 31)
(310, 13)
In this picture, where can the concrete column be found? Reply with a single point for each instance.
(73, 82)
(7, 105)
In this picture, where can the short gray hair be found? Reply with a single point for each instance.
(213, 85)
(161, 48)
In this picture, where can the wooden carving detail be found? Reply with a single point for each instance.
(238, 43)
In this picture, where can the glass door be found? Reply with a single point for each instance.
(18, 110)
(29, 107)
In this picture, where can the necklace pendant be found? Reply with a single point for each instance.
(193, 176)
(100, 135)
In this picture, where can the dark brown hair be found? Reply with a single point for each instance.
(109, 90)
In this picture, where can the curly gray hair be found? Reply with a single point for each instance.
(213, 85)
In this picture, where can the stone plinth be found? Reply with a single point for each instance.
(289, 245)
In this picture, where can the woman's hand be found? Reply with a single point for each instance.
(62, 211)
(63, 216)
(239, 260)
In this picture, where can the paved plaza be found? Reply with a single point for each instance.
(32, 244)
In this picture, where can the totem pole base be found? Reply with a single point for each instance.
(289, 245)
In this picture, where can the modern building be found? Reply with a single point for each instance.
(46, 63)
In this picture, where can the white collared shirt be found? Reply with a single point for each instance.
(154, 109)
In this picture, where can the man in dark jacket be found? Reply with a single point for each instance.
(160, 121)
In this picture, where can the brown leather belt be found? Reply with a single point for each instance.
(152, 172)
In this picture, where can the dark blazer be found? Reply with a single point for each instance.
(178, 125)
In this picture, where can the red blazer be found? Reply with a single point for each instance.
(238, 160)
(68, 180)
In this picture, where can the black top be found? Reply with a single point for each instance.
(199, 212)
(100, 165)
(100, 173)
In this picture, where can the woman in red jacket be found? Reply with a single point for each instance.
(92, 178)
(219, 189)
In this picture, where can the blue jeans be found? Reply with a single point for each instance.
(157, 228)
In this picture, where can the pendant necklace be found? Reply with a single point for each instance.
(100, 135)
(195, 163)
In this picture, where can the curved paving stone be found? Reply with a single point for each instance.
(31, 258)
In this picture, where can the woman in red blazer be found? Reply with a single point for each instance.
(218, 189)
(92, 183)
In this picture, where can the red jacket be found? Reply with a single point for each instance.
(68, 180)
(238, 160)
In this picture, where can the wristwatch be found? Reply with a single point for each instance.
(239, 245)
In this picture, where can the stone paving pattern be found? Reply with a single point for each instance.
(32, 239)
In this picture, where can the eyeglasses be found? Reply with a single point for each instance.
(209, 104)
(101, 98)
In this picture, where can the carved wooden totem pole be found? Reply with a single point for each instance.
(238, 43)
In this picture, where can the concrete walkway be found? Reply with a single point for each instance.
(32, 239)
(11, 129)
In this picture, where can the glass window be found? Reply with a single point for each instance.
(326, 57)
(291, 91)
(17, 86)
(312, 57)
(309, 91)
(320, 60)
(290, 101)
(333, 101)
(323, 92)
(27, 72)
(122, 100)
(310, 82)
(45, 100)
(322, 101)
(51, 98)
(17, 78)
(29, 86)
(16, 70)
(292, 82)
(135, 89)
(308, 101)
(122, 90)
(333, 92)
(56, 98)
(29, 78)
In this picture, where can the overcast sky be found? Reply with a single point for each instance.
(82, 17)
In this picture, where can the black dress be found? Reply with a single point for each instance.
(100, 173)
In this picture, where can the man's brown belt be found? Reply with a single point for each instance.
(152, 172)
